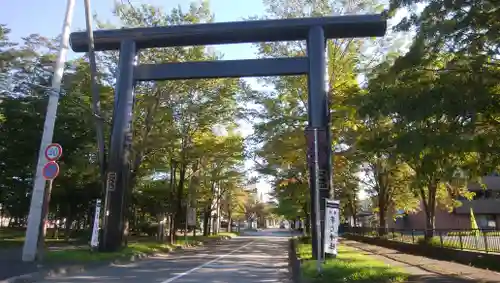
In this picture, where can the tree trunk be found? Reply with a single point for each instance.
(430, 212)
(179, 197)
(382, 214)
(161, 227)
(206, 217)
(171, 234)
(69, 222)
(213, 226)
(308, 224)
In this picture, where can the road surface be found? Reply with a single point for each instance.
(258, 257)
(12, 265)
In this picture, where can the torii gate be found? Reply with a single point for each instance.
(314, 30)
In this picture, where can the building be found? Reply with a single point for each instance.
(485, 204)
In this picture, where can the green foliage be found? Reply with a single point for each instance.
(473, 223)
(177, 156)
(402, 135)
(438, 101)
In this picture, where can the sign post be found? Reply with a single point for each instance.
(50, 171)
(332, 221)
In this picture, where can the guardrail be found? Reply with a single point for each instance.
(485, 240)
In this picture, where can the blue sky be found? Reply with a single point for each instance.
(26, 17)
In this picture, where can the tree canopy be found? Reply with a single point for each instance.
(402, 123)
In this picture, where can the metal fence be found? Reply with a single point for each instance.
(486, 240)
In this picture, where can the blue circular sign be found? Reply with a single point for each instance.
(50, 170)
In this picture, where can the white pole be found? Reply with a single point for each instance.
(35, 214)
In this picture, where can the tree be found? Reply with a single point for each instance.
(282, 113)
(175, 156)
(432, 129)
(172, 118)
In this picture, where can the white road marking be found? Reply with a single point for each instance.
(205, 264)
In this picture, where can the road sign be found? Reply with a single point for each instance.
(53, 151)
(111, 182)
(50, 170)
(191, 216)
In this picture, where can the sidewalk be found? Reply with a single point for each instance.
(11, 263)
(423, 269)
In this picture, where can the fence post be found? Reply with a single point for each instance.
(413, 236)
(485, 237)
(441, 238)
(461, 240)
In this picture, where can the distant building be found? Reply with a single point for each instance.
(485, 204)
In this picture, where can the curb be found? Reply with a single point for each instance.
(70, 269)
(78, 268)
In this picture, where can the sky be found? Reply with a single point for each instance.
(46, 17)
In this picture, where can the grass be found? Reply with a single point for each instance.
(349, 266)
(86, 255)
(15, 237)
(139, 246)
(10, 237)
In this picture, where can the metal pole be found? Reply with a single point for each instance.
(36, 207)
(316, 200)
(186, 225)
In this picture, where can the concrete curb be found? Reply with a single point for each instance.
(70, 269)
(79, 268)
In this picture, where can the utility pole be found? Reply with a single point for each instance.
(37, 198)
(96, 104)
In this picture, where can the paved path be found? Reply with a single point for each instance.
(423, 269)
(259, 257)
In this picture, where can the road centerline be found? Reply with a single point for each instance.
(172, 279)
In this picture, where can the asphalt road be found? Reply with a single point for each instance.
(256, 257)
(12, 265)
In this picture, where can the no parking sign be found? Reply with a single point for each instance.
(50, 170)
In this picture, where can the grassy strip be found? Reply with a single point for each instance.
(85, 255)
(349, 266)
(15, 237)
(12, 237)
